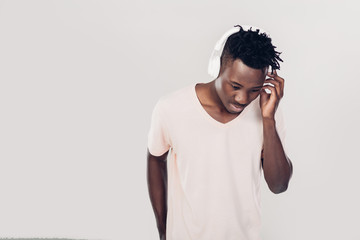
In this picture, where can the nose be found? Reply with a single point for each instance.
(242, 98)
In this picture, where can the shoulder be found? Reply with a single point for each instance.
(176, 98)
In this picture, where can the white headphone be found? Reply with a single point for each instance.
(214, 61)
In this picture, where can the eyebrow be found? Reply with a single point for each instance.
(242, 85)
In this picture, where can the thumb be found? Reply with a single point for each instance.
(263, 95)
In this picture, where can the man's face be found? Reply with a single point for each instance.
(239, 85)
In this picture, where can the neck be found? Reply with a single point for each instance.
(215, 99)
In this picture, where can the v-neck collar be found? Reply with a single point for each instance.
(210, 118)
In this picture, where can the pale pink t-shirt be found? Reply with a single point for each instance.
(214, 169)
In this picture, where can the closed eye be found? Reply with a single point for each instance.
(236, 88)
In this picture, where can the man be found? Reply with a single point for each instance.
(221, 135)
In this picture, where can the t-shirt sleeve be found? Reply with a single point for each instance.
(281, 126)
(158, 140)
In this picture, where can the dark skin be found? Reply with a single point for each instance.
(236, 84)
(157, 186)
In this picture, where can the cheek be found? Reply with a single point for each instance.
(255, 94)
(230, 96)
(227, 93)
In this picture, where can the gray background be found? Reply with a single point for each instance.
(79, 80)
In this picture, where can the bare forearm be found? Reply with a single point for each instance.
(157, 186)
(276, 165)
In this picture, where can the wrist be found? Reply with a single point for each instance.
(268, 120)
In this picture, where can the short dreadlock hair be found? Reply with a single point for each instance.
(254, 49)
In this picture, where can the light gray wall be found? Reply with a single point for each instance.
(79, 80)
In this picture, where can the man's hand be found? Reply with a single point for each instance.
(270, 103)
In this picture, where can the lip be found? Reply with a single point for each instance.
(237, 109)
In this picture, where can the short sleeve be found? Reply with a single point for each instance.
(158, 140)
(281, 126)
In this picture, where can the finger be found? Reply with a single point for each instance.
(272, 72)
(264, 96)
(275, 75)
(278, 78)
(273, 94)
(277, 84)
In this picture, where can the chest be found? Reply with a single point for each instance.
(221, 117)
(195, 133)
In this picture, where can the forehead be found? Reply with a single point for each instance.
(237, 71)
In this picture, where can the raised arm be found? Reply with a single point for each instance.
(157, 186)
